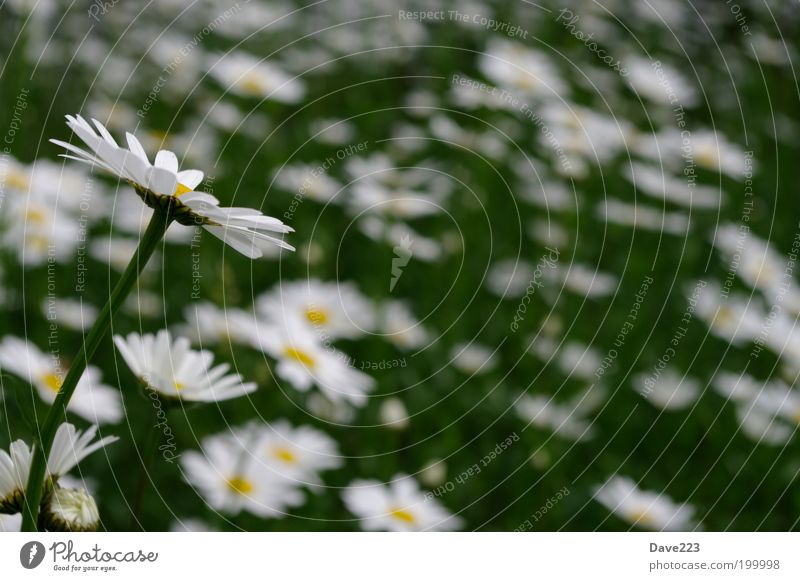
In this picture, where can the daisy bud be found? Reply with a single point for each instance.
(70, 510)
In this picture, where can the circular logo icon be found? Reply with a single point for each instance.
(31, 554)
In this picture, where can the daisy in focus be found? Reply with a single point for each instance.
(649, 510)
(175, 371)
(399, 506)
(93, 400)
(161, 184)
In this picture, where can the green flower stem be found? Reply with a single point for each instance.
(162, 217)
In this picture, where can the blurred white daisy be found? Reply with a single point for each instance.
(731, 317)
(92, 400)
(229, 478)
(642, 217)
(565, 420)
(393, 414)
(515, 66)
(249, 76)
(667, 389)
(473, 358)
(399, 506)
(649, 510)
(209, 324)
(296, 453)
(330, 309)
(400, 327)
(303, 360)
(69, 312)
(174, 370)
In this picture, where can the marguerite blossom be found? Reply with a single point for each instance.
(162, 184)
(92, 400)
(650, 510)
(399, 506)
(296, 453)
(230, 477)
(70, 446)
(303, 361)
(175, 371)
(208, 324)
(331, 309)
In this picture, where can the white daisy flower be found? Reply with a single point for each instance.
(393, 414)
(565, 420)
(92, 400)
(643, 217)
(162, 184)
(298, 453)
(654, 181)
(514, 66)
(733, 318)
(473, 358)
(249, 76)
(175, 371)
(71, 313)
(399, 506)
(38, 230)
(310, 182)
(70, 510)
(70, 446)
(304, 361)
(230, 479)
(330, 309)
(208, 324)
(650, 510)
(400, 327)
(15, 466)
(667, 389)
(509, 278)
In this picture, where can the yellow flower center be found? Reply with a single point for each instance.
(35, 215)
(17, 180)
(317, 316)
(796, 416)
(52, 381)
(181, 189)
(285, 455)
(300, 356)
(641, 517)
(403, 515)
(240, 485)
(178, 385)
(251, 84)
(724, 317)
(707, 157)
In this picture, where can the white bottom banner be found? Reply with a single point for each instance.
(390, 556)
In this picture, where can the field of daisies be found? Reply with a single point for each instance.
(402, 266)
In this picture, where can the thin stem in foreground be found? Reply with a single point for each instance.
(57, 414)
